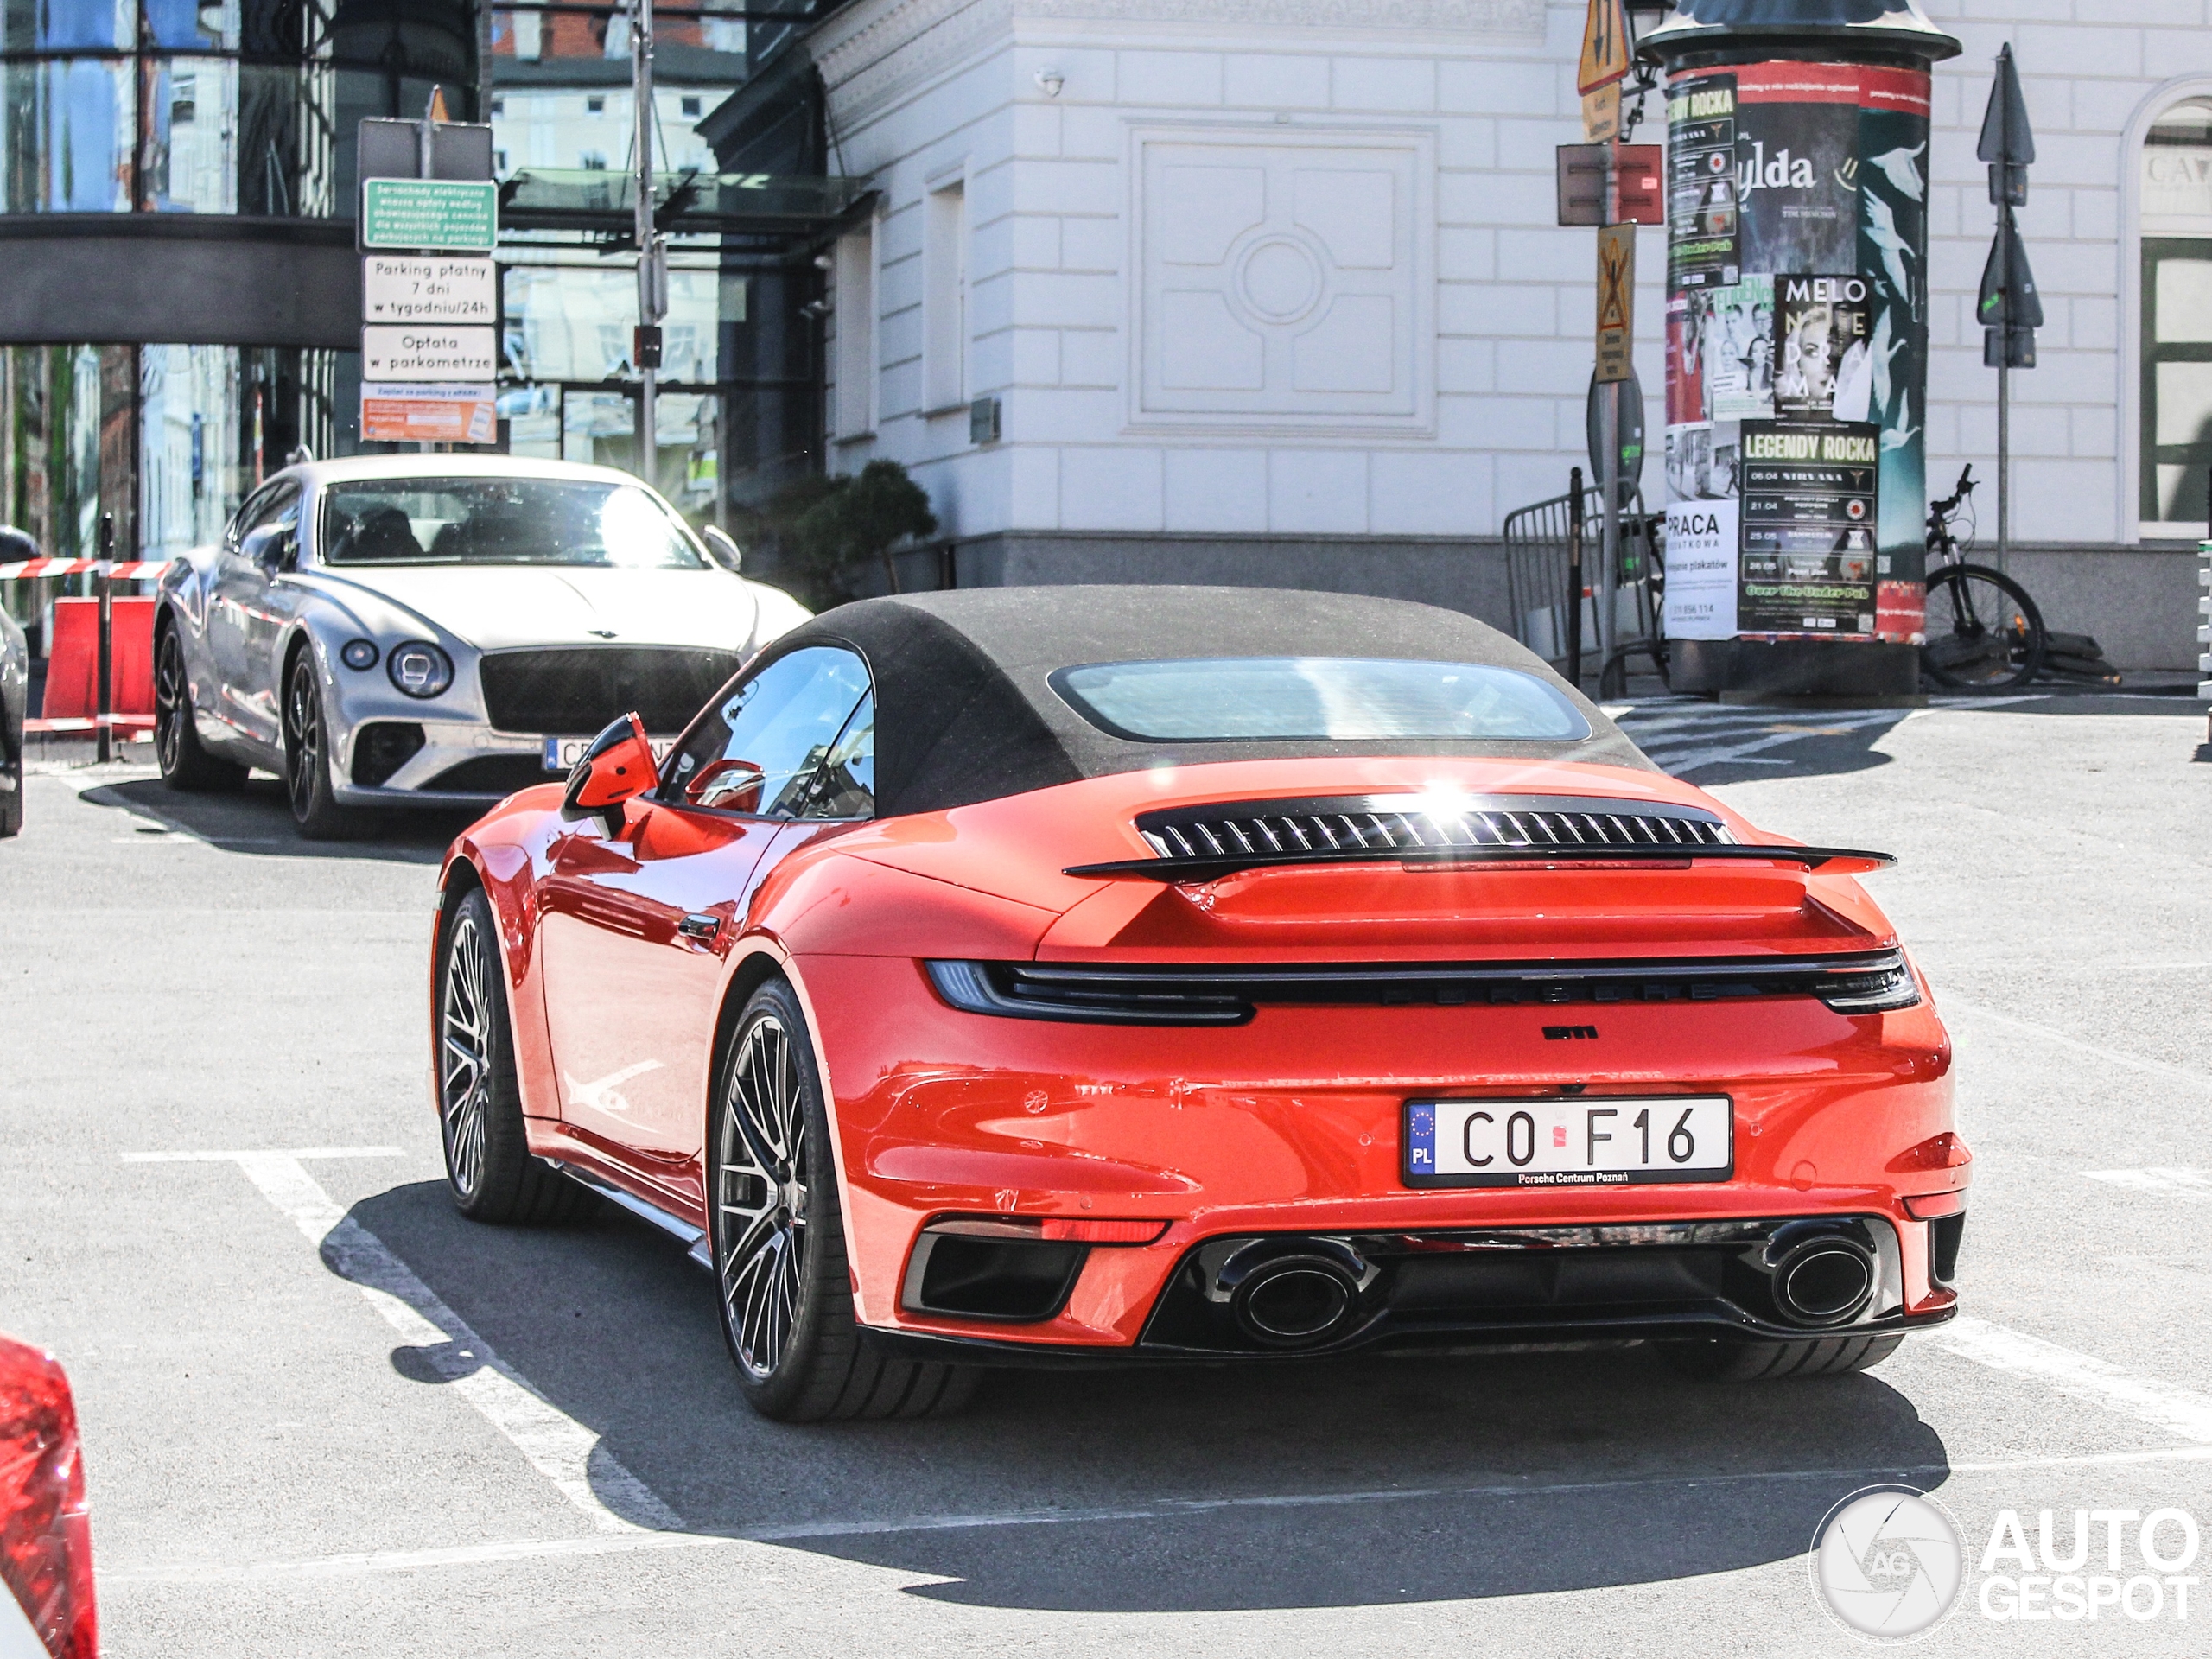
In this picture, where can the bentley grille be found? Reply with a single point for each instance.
(575, 692)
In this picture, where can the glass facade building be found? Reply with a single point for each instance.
(177, 188)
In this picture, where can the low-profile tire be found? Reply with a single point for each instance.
(315, 811)
(1736, 1359)
(185, 765)
(489, 1169)
(783, 1284)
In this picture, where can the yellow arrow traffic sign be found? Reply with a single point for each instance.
(1605, 47)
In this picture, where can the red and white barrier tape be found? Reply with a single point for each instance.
(123, 570)
(65, 724)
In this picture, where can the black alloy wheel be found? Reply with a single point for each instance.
(185, 765)
(489, 1169)
(778, 1233)
(315, 811)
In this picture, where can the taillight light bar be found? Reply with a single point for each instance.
(46, 1542)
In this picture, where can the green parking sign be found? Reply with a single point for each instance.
(447, 215)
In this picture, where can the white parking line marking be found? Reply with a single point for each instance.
(2110, 1056)
(404, 1561)
(279, 1152)
(1156, 1509)
(2192, 1183)
(562, 1449)
(2177, 1410)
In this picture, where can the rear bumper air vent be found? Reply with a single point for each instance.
(1143, 994)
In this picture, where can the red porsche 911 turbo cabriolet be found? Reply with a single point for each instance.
(1106, 975)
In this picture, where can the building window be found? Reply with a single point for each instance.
(595, 105)
(2177, 317)
(944, 298)
(853, 319)
(693, 107)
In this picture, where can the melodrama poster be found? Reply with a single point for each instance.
(1823, 370)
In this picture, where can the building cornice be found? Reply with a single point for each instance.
(870, 51)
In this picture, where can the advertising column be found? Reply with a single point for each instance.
(1796, 352)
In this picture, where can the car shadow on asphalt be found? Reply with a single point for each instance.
(1342, 1482)
(255, 819)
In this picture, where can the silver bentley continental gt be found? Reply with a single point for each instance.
(439, 631)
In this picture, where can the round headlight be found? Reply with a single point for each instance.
(419, 669)
(358, 653)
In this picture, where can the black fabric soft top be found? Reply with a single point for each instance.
(964, 714)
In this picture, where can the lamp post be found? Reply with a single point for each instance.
(1797, 341)
(652, 247)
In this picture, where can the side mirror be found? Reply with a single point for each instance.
(722, 548)
(618, 766)
(272, 547)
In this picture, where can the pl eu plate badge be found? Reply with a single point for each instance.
(1420, 1141)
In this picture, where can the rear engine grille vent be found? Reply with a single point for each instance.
(1385, 823)
(574, 692)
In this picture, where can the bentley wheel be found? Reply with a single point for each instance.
(778, 1237)
(184, 764)
(488, 1165)
(315, 810)
(1742, 1360)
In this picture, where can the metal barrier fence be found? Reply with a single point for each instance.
(1540, 555)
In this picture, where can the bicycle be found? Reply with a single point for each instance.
(1982, 633)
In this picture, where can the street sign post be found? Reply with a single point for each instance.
(2007, 306)
(404, 411)
(441, 215)
(428, 223)
(1616, 302)
(398, 288)
(1603, 66)
(1635, 196)
(428, 352)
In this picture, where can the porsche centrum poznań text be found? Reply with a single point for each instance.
(439, 631)
(1122, 974)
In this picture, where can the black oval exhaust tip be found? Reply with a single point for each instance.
(1824, 1280)
(1294, 1301)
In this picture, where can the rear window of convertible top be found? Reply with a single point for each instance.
(1256, 699)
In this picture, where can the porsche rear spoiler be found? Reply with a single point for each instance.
(1845, 861)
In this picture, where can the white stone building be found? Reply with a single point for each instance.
(1271, 290)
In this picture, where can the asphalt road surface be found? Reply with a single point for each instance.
(325, 1415)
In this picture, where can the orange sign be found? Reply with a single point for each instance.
(401, 412)
(1605, 47)
(1616, 302)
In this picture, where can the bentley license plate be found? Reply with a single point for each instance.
(562, 754)
(1569, 1141)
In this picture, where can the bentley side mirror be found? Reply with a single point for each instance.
(618, 765)
(722, 549)
(270, 546)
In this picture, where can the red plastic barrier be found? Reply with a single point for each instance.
(73, 664)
